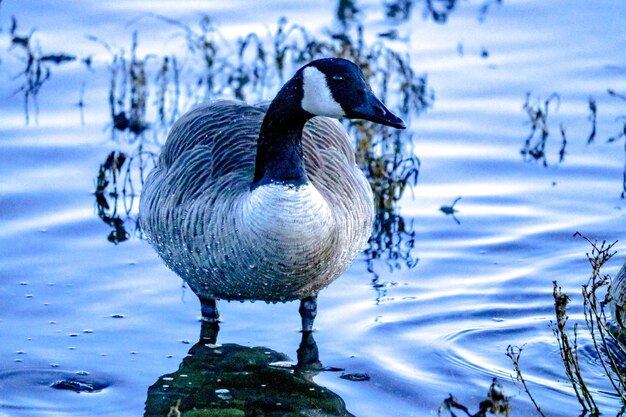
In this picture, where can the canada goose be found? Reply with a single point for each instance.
(266, 203)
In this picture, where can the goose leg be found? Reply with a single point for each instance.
(209, 332)
(209, 310)
(308, 311)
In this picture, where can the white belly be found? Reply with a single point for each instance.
(287, 220)
(274, 243)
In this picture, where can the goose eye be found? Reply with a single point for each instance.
(337, 78)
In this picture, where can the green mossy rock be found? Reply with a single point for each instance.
(233, 380)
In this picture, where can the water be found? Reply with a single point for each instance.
(74, 302)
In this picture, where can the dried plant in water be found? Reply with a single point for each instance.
(535, 143)
(607, 344)
(514, 353)
(496, 403)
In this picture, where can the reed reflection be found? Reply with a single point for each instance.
(116, 193)
(537, 144)
(437, 10)
(235, 380)
(37, 67)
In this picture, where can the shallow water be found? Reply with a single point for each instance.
(73, 305)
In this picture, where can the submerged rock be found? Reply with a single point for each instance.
(234, 380)
(78, 385)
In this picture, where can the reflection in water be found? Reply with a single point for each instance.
(528, 245)
(535, 144)
(389, 174)
(235, 380)
(128, 111)
(37, 66)
(534, 148)
(438, 10)
(116, 193)
(107, 176)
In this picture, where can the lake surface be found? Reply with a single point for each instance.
(75, 307)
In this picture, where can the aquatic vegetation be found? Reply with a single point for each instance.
(108, 174)
(514, 353)
(535, 144)
(128, 91)
(496, 403)
(385, 156)
(609, 348)
(593, 119)
(438, 10)
(568, 350)
(37, 66)
(115, 193)
(536, 141)
(607, 345)
(251, 71)
(443, 328)
(390, 174)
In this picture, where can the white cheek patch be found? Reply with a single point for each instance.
(317, 98)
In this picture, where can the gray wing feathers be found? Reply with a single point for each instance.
(224, 133)
(207, 165)
(218, 139)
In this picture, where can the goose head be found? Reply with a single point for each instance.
(331, 87)
(337, 88)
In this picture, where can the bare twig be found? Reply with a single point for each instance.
(514, 353)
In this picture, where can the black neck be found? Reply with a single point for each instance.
(279, 149)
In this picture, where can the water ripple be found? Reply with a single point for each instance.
(52, 391)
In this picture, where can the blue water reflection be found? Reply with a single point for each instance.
(71, 302)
